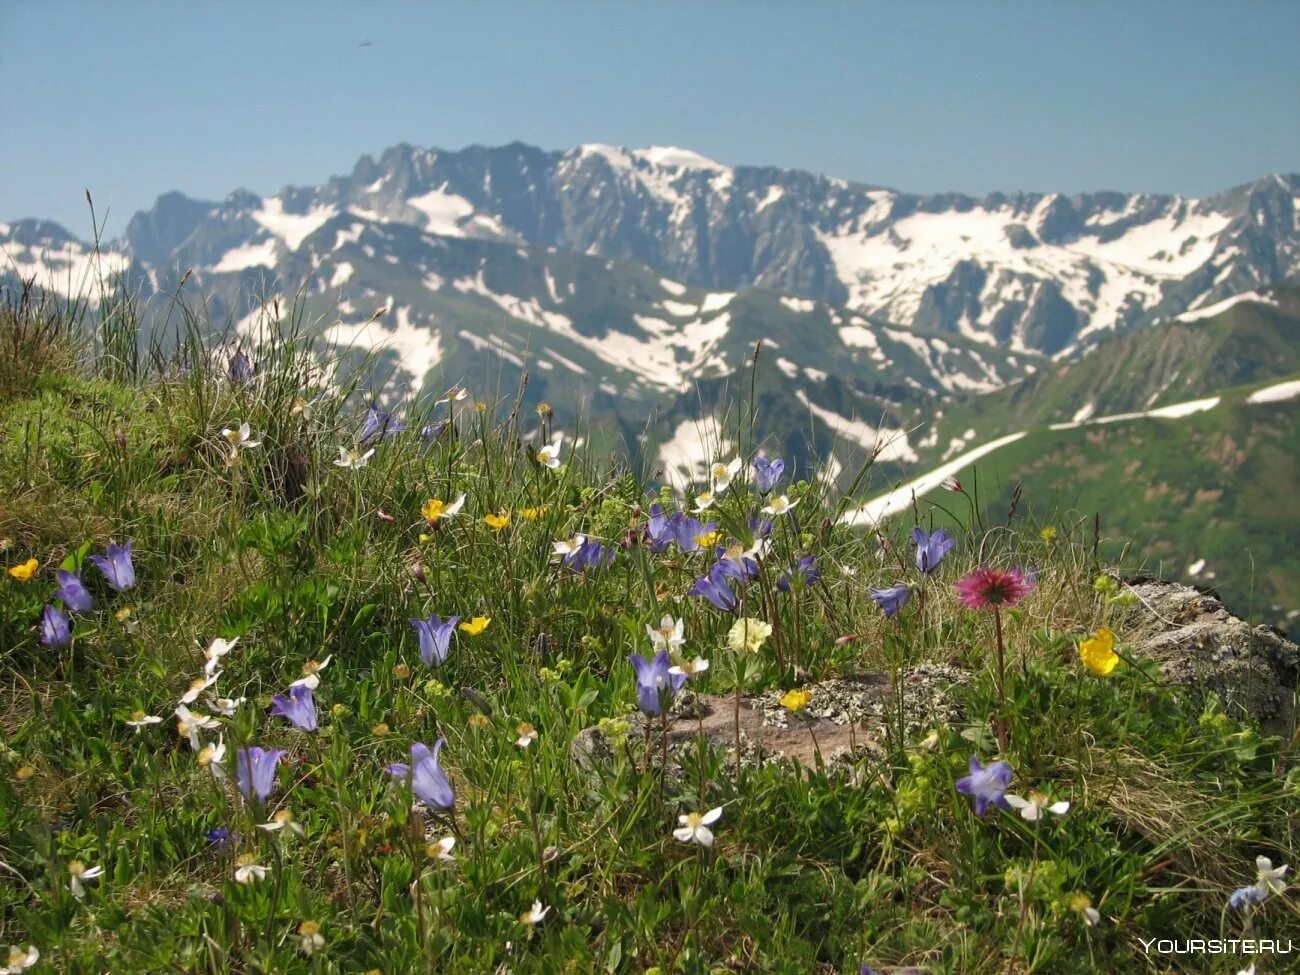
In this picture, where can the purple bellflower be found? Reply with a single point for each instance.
(428, 781)
(767, 473)
(986, 784)
(73, 595)
(116, 566)
(715, 588)
(435, 638)
(298, 707)
(892, 599)
(931, 549)
(804, 573)
(55, 631)
(255, 771)
(379, 425)
(655, 685)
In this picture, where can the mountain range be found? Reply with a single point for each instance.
(634, 285)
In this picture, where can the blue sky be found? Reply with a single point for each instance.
(134, 99)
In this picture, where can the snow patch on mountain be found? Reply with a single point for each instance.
(687, 455)
(887, 445)
(242, 258)
(1209, 311)
(292, 228)
(1276, 394)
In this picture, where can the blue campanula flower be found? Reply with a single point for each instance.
(72, 593)
(804, 573)
(767, 473)
(660, 529)
(590, 555)
(379, 425)
(428, 781)
(892, 599)
(760, 526)
(931, 549)
(298, 707)
(715, 588)
(987, 785)
(219, 838)
(241, 368)
(255, 771)
(116, 566)
(655, 684)
(435, 638)
(55, 631)
(688, 531)
(430, 431)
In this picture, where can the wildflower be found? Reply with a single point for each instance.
(380, 729)
(435, 638)
(987, 785)
(442, 849)
(255, 771)
(434, 510)
(353, 459)
(1244, 897)
(767, 473)
(748, 634)
(545, 410)
(1081, 904)
(1269, 879)
(892, 599)
(667, 635)
(217, 649)
(309, 937)
(19, 960)
(430, 432)
(428, 781)
(311, 673)
(527, 734)
(703, 502)
(480, 720)
(592, 555)
(1098, 652)
(795, 700)
(475, 626)
(453, 395)
(568, 547)
(213, 758)
(302, 407)
(401, 672)
(378, 425)
(804, 573)
(219, 838)
(951, 483)
(695, 827)
(1048, 534)
(240, 438)
(687, 532)
(931, 549)
(25, 772)
(55, 631)
(248, 870)
(241, 368)
(116, 566)
(139, 720)
(297, 707)
(660, 528)
(1032, 808)
(737, 562)
(78, 872)
(655, 685)
(779, 505)
(689, 668)
(197, 686)
(715, 588)
(708, 539)
(71, 592)
(986, 587)
(723, 474)
(24, 572)
(532, 514)
(534, 914)
(498, 521)
(549, 456)
(282, 820)
(190, 723)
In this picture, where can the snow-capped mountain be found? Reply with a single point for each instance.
(628, 278)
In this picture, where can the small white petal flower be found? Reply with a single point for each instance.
(248, 870)
(140, 720)
(779, 505)
(442, 849)
(549, 456)
(197, 686)
(225, 706)
(534, 914)
(310, 670)
(723, 474)
(569, 546)
(1091, 916)
(690, 668)
(282, 820)
(695, 827)
(212, 756)
(668, 635)
(78, 872)
(352, 459)
(703, 502)
(453, 395)
(527, 734)
(19, 960)
(1032, 808)
(190, 723)
(217, 649)
(1269, 880)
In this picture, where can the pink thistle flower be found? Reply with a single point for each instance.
(990, 588)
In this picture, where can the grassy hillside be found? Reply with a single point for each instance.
(129, 847)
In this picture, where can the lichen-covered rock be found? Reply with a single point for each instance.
(1201, 645)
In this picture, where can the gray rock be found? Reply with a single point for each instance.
(1200, 644)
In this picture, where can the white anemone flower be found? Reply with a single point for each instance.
(190, 723)
(723, 474)
(140, 720)
(703, 502)
(668, 635)
(212, 756)
(353, 459)
(549, 456)
(689, 668)
(453, 395)
(225, 706)
(239, 438)
(534, 914)
(309, 671)
(1032, 808)
(442, 849)
(282, 820)
(197, 686)
(779, 505)
(695, 827)
(217, 649)
(1091, 917)
(569, 546)
(1269, 877)
(78, 872)
(19, 960)
(527, 734)
(248, 870)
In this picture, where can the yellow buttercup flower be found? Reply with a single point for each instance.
(795, 700)
(475, 626)
(498, 521)
(532, 514)
(1048, 534)
(25, 571)
(435, 509)
(1098, 652)
(708, 539)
